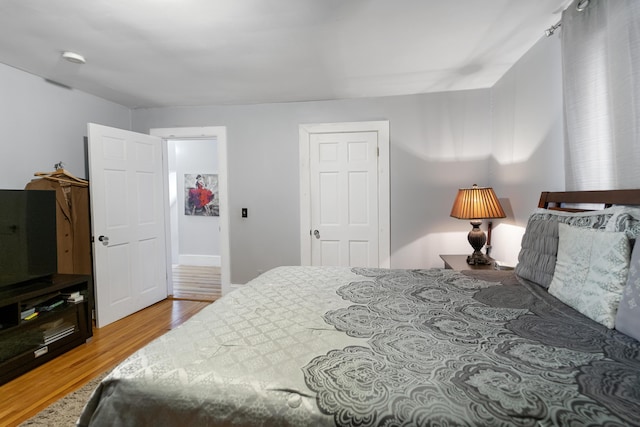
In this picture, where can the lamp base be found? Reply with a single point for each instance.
(477, 239)
(478, 258)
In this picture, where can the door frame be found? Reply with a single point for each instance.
(219, 133)
(384, 209)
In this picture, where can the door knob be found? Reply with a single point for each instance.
(104, 240)
(316, 233)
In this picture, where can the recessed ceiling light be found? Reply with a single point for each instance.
(76, 58)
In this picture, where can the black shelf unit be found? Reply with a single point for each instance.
(26, 344)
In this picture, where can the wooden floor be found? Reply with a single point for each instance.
(196, 283)
(30, 393)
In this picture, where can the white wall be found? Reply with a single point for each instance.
(195, 239)
(528, 140)
(509, 137)
(439, 142)
(43, 124)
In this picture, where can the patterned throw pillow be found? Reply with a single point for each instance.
(627, 219)
(537, 258)
(628, 317)
(591, 271)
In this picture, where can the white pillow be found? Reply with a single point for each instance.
(591, 271)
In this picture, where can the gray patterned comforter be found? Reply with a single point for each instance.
(365, 347)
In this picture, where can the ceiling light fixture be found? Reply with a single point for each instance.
(76, 58)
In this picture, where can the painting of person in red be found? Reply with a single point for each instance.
(200, 199)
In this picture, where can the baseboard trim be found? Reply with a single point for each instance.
(200, 260)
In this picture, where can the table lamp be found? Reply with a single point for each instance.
(477, 203)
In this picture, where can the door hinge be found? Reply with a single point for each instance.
(378, 149)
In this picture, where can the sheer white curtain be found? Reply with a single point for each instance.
(601, 80)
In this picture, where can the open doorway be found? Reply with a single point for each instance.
(197, 230)
(194, 209)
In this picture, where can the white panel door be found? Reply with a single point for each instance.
(344, 198)
(127, 218)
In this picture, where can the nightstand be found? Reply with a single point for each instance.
(459, 262)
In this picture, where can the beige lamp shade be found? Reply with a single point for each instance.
(477, 203)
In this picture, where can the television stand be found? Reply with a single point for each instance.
(28, 340)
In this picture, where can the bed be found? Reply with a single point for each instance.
(313, 346)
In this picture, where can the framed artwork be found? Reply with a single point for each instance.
(201, 194)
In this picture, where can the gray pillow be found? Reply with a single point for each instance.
(537, 258)
(539, 249)
(627, 219)
(628, 316)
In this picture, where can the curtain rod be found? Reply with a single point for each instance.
(552, 29)
(580, 7)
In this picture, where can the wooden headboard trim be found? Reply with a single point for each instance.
(556, 200)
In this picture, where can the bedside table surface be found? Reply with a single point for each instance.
(459, 262)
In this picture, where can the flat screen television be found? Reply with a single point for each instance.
(28, 248)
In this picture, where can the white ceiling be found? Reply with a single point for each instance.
(156, 53)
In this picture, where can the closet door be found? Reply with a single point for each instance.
(127, 218)
(344, 194)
